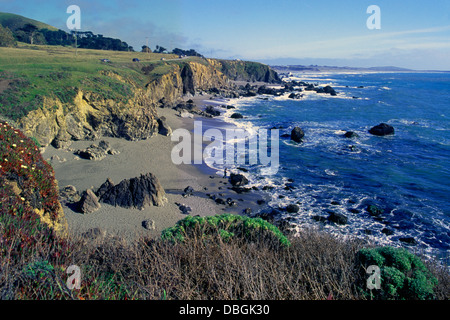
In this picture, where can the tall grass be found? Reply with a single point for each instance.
(316, 266)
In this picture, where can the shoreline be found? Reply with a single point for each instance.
(141, 157)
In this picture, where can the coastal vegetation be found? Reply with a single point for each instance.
(219, 257)
(56, 95)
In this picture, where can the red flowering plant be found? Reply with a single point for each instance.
(26, 183)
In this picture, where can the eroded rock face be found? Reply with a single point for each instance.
(136, 192)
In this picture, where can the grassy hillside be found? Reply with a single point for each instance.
(28, 73)
(15, 21)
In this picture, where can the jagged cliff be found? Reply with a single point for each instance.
(90, 115)
(245, 70)
(117, 102)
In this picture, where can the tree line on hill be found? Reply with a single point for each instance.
(29, 33)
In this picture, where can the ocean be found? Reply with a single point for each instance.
(407, 174)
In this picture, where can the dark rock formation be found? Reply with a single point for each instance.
(163, 127)
(236, 115)
(134, 193)
(89, 202)
(292, 208)
(184, 208)
(210, 110)
(107, 185)
(188, 191)
(238, 180)
(294, 95)
(374, 210)
(382, 129)
(408, 240)
(337, 218)
(97, 152)
(297, 134)
(187, 76)
(351, 134)
(330, 90)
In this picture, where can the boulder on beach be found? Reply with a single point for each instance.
(164, 128)
(88, 202)
(297, 134)
(149, 224)
(98, 152)
(212, 111)
(382, 129)
(188, 191)
(238, 180)
(137, 192)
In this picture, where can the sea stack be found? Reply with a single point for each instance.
(382, 129)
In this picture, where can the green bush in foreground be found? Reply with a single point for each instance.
(226, 227)
(403, 274)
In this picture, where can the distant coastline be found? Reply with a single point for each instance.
(335, 69)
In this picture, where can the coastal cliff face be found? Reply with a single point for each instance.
(90, 115)
(245, 70)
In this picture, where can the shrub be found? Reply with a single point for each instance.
(225, 227)
(403, 274)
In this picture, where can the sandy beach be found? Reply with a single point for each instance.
(140, 157)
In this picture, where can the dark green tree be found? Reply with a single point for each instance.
(146, 49)
(30, 30)
(6, 37)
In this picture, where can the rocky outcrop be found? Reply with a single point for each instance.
(164, 128)
(246, 70)
(238, 180)
(96, 152)
(91, 115)
(138, 192)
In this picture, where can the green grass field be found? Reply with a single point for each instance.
(30, 72)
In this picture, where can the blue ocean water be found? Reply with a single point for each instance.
(407, 174)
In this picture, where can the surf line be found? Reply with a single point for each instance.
(236, 146)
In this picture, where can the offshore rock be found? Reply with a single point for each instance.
(297, 134)
(382, 129)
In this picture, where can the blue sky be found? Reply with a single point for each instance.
(413, 34)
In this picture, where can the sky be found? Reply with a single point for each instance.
(412, 34)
